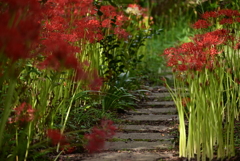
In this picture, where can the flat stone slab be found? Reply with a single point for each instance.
(162, 103)
(137, 145)
(143, 136)
(128, 156)
(142, 127)
(159, 95)
(151, 118)
(154, 110)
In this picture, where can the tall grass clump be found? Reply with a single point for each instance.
(61, 57)
(206, 82)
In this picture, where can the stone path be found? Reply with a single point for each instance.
(145, 133)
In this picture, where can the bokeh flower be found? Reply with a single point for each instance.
(23, 113)
(97, 137)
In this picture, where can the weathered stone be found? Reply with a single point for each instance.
(151, 117)
(159, 95)
(161, 104)
(161, 89)
(143, 136)
(128, 156)
(142, 127)
(154, 110)
(137, 145)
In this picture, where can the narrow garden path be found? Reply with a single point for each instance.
(147, 133)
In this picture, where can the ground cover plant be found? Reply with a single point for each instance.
(60, 61)
(207, 86)
(172, 22)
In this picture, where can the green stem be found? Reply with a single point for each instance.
(28, 140)
(7, 110)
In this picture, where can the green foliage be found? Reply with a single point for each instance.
(118, 56)
(117, 98)
(85, 117)
(117, 95)
(217, 4)
(118, 2)
(153, 67)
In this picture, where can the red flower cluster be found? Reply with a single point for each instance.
(200, 24)
(98, 136)
(96, 83)
(20, 27)
(56, 137)
(23, 113)
(224, 16)
(113, 20)
(70, 22)
(198, 54)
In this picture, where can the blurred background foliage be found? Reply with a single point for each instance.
(174, 19)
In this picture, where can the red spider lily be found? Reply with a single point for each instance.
(23, 113)
(69, 17)
(226, 21)
(108, 11)
(200, 24)
(95, 140)
(56, 137)
(20, 4)
(20, 28)
(97, 137)
(108, 127)
(107, 23)
(65, 22)
(198, 54)
(121, 33)
(213, 38)
(224, 12)
(60, 54)
(228, 13)
(97, 82)
(210, 14)
(237, 19)
(227, 16)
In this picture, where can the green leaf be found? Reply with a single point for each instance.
(112, 3)
(124, 1)
(99, 13)
(140, 57)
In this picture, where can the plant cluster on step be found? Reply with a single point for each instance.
(206, 72)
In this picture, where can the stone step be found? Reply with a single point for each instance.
(159, 89)
(159, 96)
(128, 156)
(159, 104)
(142, 136)
(154, 110)
(138, 145)
(151, 118)
(142, 128)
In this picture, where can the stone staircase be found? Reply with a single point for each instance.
(146, 133)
